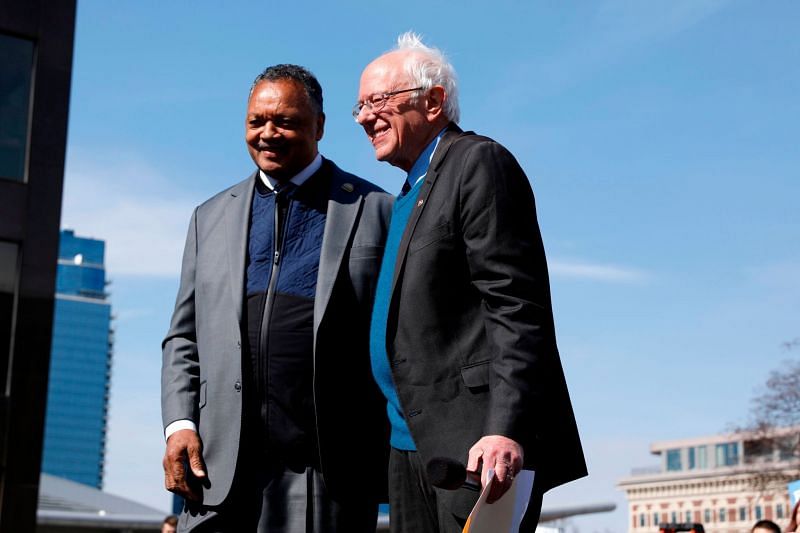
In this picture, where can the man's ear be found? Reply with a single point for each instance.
(320, 126)
(434, 102)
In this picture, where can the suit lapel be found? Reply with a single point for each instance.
(453, 132)
(343, 208)
(237, 222)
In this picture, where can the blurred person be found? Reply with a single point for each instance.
(462, 336)
(266, 361)
(170, 524)
(765, 526)
(794, 518)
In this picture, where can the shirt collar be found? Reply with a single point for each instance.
(422, 163)
(298, 179)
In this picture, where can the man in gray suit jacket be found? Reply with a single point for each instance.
(266, 362)
(463, 341)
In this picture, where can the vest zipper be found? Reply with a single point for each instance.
(279, 229)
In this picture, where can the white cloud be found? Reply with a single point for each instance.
(129, 204)
(597, 272)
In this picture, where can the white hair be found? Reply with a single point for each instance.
(428, 67)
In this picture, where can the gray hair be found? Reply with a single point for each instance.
(295, 73)
(428, 67)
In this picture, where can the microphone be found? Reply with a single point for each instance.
(449, 474)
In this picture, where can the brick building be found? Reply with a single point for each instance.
(718, 481)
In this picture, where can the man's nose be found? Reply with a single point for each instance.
(364, 114)
(269, 130)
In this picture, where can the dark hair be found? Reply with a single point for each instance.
(792, 519)
(296, 73)
(767, 524)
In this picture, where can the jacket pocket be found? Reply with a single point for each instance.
(202, 400)
(366, 252)
(476, 375)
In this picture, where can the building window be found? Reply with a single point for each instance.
(758, 512)
(787, 449)
(707, 515)
(690, 458)
(641, 520)
(8, 287)
(742, 514)
(727, 454)
(655, 520)
(674, 516)
(722, 514)
(688, 516)
(779, 510)
(702, 457)
(674, 459)
(15, 94)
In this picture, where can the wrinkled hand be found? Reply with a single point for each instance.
(184, 447)
(502, 454)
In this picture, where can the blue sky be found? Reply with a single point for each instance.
(661, 139)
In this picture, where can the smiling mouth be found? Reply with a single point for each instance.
(377, 136)
(270, 150)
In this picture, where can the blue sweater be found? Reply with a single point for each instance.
(401, 437)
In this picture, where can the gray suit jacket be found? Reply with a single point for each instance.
(202, 353)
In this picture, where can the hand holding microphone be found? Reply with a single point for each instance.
(500, 453)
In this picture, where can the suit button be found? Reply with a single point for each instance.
(238, 344)
(237, 386)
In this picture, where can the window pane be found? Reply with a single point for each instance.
(8, 283)
(702, 457)
(727, 454)
(674, 459)
(16, 56)
(691, 459)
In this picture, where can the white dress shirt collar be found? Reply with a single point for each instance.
(297, 180)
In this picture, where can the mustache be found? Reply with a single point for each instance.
(270, 145)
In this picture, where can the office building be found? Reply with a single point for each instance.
(36, 38)
(80, 364)
(718, 481)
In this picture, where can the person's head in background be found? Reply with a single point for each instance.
(170, 524)
(794, 519)
(765, 526)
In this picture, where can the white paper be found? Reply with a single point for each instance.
(504, 515)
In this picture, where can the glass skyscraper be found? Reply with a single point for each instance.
(80, 364)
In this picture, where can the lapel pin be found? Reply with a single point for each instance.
(347, 187)
(420, 203)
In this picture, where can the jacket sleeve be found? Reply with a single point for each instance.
(507, 266)
(180, 370)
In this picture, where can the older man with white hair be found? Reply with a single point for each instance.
(462, 336)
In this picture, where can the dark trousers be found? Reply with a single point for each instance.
(280, 501)
(413, 506)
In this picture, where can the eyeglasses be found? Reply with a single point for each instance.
(378, 101)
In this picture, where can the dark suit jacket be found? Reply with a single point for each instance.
(202, 353)
(470, 331)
